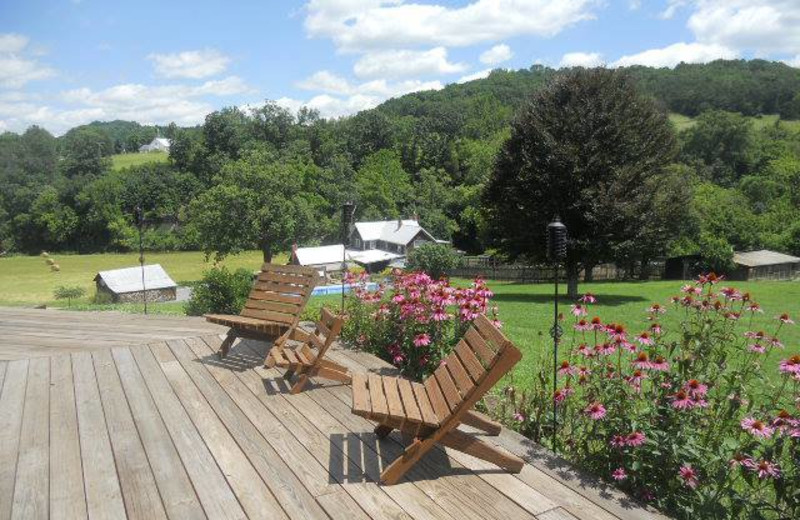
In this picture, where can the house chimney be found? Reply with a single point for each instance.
(416, 217)
(399, 222)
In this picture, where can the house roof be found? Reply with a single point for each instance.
(763, 257)
(393, 231)
(371, 256)
(319, 255)
(129, 279)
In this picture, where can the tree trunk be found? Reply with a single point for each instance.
(572, 281)
(266, 250)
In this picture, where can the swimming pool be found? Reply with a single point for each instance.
(337, 289)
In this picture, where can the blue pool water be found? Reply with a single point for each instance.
(337, 289)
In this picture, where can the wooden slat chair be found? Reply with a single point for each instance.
(430, 412)
(273, 308)
(308, 359)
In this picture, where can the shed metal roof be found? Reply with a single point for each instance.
(129, 279)
(391, 231)
(320, 255)
(763, 257)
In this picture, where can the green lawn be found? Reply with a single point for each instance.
(682, 122)
(26, 280)
(124, 160)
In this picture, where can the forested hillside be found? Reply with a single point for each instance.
(269, 177)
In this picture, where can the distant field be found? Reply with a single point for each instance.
(124, 160)
(682, 122)
(26, 280)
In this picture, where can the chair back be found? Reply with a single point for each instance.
(479, 360)
(325, 333)
(280, 293)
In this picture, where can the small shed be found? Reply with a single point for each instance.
(125, 285)
(327, 259)
(765, 265)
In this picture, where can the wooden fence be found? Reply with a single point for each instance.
(472, 267)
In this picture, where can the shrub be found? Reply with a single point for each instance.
(434, 259)
(220, 291)
(416, 323)
(688, 419)
(69, 293)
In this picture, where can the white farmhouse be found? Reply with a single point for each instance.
(158, 144)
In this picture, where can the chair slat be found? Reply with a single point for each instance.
(393, 396)
(469, 361)
(425, 407)
(291, 357)
(448, 387)
(298, 352)
(289, 269)
(477, 344)
(267, 305)
(459, 374)
(281, 288)
(376, 395)
(295, 299)
(436, 398)
(271, 276)
(409, 401)
(491, 334)
(323, 329)
(268, 316)
(361, 396)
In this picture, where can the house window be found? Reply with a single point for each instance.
(357, 243)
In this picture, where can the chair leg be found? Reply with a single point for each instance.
(226, 344)
(382, 431)
(299, 385)
(481, 422)
(470, 445)
(395, 471)
(333, 375)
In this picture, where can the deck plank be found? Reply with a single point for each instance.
(103, 493)
(253, 494)
(12, 403)
(213, 490)
(31, 493)
(67, 495)
(177, 493)
(287, 488)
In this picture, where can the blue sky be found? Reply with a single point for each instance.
(69, 62)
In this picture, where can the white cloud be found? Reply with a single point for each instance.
(496, 55)
(476, 75)
(16, 66)
(183, 104)
(350, 98)
(581, 59)
(672, 7)
(676, 53)
(761, 26)
(190, 64)
(793, 62)
(362, 25)
(393, 64)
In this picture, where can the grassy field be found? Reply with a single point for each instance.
(124, 160)
(682, 122)
(26, 280)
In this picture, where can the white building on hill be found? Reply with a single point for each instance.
(158, 144)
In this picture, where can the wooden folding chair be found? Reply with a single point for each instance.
(303, 361)
(273, 308)
(431, 412)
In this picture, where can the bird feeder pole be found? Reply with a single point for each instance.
(556, 252)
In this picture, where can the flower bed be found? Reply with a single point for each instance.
(686, 419)
(416, 323)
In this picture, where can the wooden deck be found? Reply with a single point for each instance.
(166, 430)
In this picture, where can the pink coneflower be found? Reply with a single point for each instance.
(785, 319)
(710, 278)
(753, 307)
(618, 441)
(757, 347)
(582, 326)
(578, 310)
(635, 379)
(695, 387)
(692, 289)
(422, 340)
(398, 359)
(731, 293)
(689, 476)
(562, 393)
(519, 417)
(699, 402)
(566, 368)
(398, 298)
(617, 332)
(606, 349)
(656, 309)
(644, 338)
(751, 334)
(655, 328)
(584, 350)
(597, 323)
(619, 474)
(439, 314)
(757, 428)
(733, 316)
(784, 421)
(659, 364)
(635, 439)
(790, 365)
(584, 372)
(588, 298)
(681, 400)
(767, 469)
(596, 411)
(642, 361)
(775, 342)
(741, 460)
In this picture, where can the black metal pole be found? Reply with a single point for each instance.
(348, 208)
(139, 224)
(556, 334)
(556, 251)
